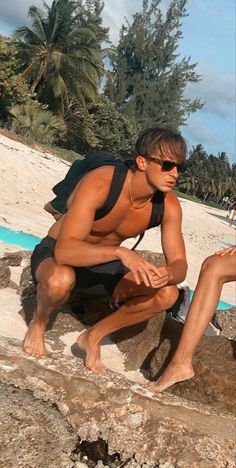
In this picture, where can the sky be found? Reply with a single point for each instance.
(208, 38)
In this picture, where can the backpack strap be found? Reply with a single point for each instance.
(141, 236)
(117, 183)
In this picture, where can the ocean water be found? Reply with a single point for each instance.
(29, 241)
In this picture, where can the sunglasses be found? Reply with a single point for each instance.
(167, 165)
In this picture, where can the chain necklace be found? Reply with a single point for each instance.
(132, 202)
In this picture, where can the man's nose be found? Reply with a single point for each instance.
(174, 172)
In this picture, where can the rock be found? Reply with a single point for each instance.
(20, 258)
(225, 320)
(166, 465)
(119, 422)
(5, 275)
(27, 287)
(156, 258)
(214, 363)
(139, 341)
(33, 432)
(172, 429)
(80, 465)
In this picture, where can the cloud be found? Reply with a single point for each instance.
(17, 15)
(217, 90)
(197, 131)
(212, 133)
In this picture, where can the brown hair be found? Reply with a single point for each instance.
(161, 141)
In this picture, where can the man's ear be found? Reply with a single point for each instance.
(141, 163)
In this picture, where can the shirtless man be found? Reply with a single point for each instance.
(85, 251)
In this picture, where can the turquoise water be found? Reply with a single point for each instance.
(28, 241)
(22, 239)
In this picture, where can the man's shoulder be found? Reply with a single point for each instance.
(171, 198)
(172, 209)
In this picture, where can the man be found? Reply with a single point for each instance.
(86, 250)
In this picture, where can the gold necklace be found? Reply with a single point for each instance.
(132, 202)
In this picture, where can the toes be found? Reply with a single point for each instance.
(35, 352)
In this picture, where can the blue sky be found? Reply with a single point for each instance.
(209, 39)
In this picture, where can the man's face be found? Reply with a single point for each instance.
(162, 172)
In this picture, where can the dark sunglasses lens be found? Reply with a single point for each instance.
(169, 165)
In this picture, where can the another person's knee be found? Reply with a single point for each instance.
(212, 265)
(59, 283)
(166, 297)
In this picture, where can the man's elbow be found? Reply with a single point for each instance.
(183, 272)
(59, 254)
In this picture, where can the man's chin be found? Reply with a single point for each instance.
(167, 188)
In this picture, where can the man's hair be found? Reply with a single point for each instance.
(161, 142)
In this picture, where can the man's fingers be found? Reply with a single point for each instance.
(154, 269)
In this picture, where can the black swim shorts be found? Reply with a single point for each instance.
(97, 281)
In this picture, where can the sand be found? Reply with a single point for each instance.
(26, 179)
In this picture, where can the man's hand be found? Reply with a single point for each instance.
(228, 251)
(143, 270)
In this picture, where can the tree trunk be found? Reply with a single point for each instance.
(42, 70)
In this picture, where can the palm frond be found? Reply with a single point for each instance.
(38, 22)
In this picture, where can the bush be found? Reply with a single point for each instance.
(36, 123)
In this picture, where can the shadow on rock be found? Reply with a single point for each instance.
(162, 354)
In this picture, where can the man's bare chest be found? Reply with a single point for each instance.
(123, 222)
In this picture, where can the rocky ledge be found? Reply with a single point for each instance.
(56, 413)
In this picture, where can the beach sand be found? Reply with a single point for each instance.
(27, 177)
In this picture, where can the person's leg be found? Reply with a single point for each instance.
(54, 284)
(215, 271)
(231, 217)
(139, 303)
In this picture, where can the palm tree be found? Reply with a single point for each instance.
(60, 54)
(188, 181)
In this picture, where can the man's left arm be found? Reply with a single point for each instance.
(172, 240)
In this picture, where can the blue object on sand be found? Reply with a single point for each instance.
(221, 304)
(19, 238)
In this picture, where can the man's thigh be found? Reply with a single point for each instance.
(127, 288)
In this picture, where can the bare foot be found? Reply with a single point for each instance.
(34, 340)
(92, 353)
(173, 374)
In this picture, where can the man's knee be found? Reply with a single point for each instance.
(166, 297)
(59, 283)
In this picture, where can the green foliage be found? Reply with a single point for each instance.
(208, 176)
(61, 55)
(149, 81)
(80, 135)
(101, 127)
(36, 123)
(116, 133)
(13, 88)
